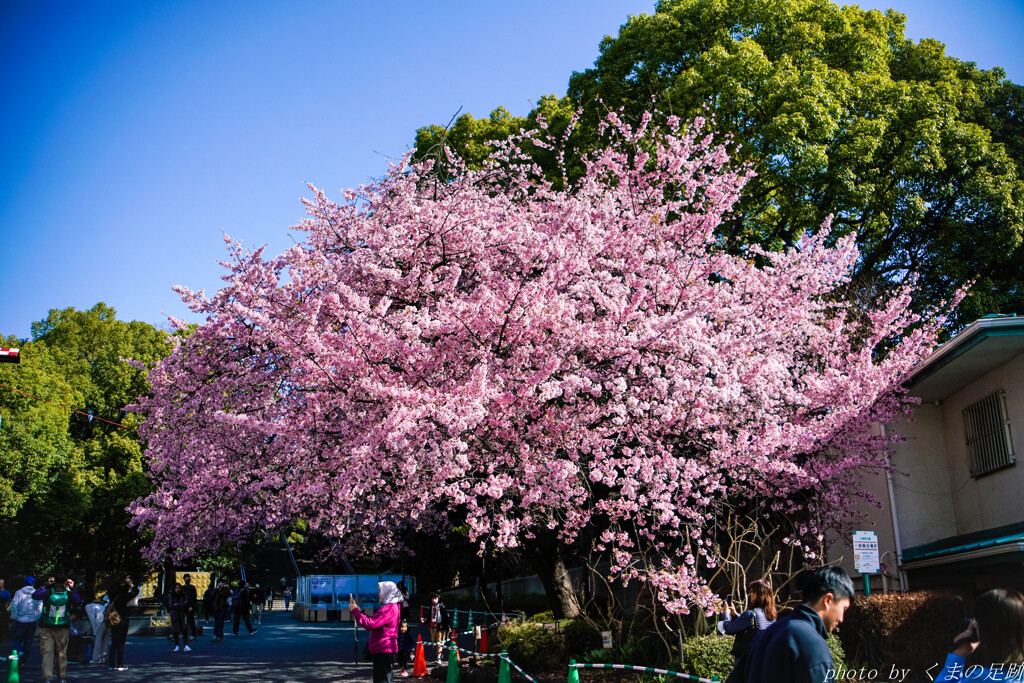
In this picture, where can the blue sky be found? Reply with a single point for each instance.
(133, 133)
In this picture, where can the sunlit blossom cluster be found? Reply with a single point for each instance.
(490, 351)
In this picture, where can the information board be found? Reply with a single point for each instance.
(865, 552)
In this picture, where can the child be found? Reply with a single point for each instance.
(404, 646)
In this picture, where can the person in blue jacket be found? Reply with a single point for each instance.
(759, 615)
(992, 646)
(794, 648)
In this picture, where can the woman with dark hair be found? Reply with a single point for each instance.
(120, 595)
(759, 615)
(991, 648)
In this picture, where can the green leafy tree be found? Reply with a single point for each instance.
(917, 152)
(71, 469)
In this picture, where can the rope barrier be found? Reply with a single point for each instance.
(59, 405)
(515, 666)
(646, 669)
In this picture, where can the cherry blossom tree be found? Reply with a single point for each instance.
(533, 362)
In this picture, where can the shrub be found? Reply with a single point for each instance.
(531, 646)
(547, 617)
(903, 629)
(707, 656)
(580, 637)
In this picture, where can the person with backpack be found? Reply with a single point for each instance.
(117, 616)
(440, 624)
(221, 605)
(55, 624)
(241, 604)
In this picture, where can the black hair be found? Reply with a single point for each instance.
(814, 583)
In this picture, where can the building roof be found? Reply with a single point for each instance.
(978, 349)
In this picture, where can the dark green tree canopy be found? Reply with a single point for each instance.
(839, 113)
(66, 479)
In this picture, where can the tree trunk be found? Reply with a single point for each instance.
(547, 557)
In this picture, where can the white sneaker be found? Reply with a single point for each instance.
(176, 649)
(187, 649)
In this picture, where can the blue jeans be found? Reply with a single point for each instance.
(22, 634)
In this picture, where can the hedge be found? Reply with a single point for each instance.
(908, 630)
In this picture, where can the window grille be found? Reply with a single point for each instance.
(987, 432)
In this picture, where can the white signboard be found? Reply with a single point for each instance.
(606, 639)
(865, 552)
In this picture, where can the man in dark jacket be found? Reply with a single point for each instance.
(241, 604)
(221, 605)
(193, 599)
(794, 649)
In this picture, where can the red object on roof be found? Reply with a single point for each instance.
(10, 355)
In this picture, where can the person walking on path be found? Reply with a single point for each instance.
(221, 605)
(383, 628)
(760, 614)
(178, 603)
(794, 649)
(55, 624)
(992, 646)
(440, 623)
(25, 612)
(5, 617)
(404, 646)
(120, 595)
(287, 595)
(241, 604)
(100, 632)
(208, 599)
(193, 601)
(257, 598)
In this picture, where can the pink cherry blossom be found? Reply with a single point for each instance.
(495, 352)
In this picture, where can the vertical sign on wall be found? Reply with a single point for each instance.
(865, 556)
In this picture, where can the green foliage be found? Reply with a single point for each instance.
(708, 656)
(65, 479)
(918, 153)
(546, 617)
(902, 629)
(580, 638)
(838, 654)
(532, 646)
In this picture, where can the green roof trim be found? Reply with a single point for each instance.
(1011, 533)
(964, 344)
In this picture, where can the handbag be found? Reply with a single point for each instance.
(742, 639)
(111, 617)
(367, 657)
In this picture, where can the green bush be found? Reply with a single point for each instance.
(534, 648)
(580, 638)
(707, 656)
(547, 617)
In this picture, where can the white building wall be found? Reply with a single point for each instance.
(921, 481)
(995, 499)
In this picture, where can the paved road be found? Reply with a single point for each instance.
(283, 650)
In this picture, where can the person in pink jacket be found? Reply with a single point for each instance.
(383, 628)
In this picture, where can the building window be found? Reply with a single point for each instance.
(987, 431)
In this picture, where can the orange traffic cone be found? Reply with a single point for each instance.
(419, 664)
(455, 644)
(483, 640)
